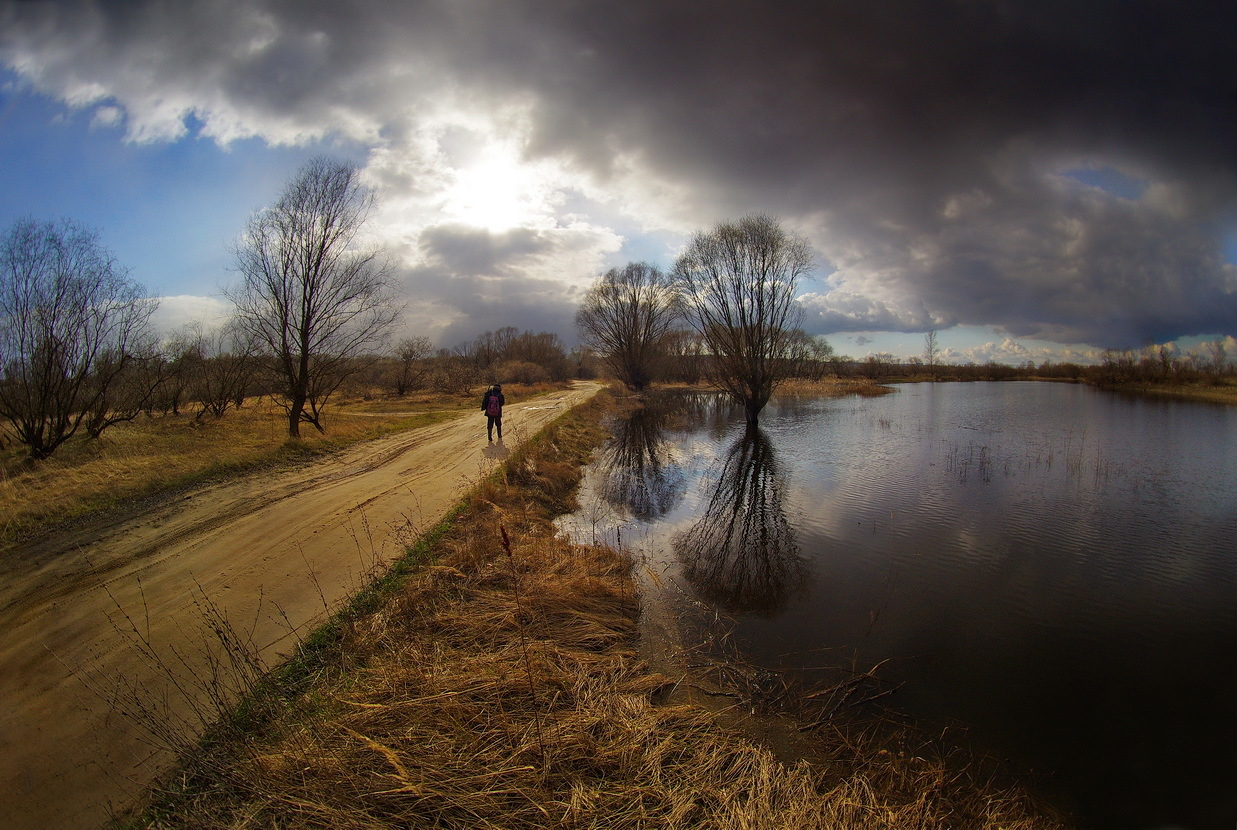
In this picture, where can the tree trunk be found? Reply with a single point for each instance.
(751, 410)
(295, 409)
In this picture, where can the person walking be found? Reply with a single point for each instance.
(492, 405)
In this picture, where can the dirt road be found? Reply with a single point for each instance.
(271, 551)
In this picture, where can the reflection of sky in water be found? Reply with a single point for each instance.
(1052, 565)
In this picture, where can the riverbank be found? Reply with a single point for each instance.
(1203, 393)
(1224, 392)
(492, 679)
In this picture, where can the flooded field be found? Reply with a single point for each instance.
(1050, 571)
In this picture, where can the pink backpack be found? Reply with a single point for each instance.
(492, 407)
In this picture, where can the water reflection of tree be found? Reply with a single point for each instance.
(741, 554)
(637, 473)
(712, 412)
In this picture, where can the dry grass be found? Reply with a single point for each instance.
(498, 686)
(831, 387)
(163, 452)
(834, 387)
(448, 725)
(1221, 393)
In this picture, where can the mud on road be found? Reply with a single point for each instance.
(274, 552)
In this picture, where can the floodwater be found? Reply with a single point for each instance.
(1050, 570)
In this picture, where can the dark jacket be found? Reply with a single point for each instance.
(485, 400)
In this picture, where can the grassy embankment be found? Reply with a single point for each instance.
(492, 680)
(1221, 393)
(155, 455)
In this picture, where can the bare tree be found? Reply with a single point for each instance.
(822, 356)
(413, 354)
(544, 349)
(684, 355)
(626, 316)
(931, 350)
(1216, 359)
(810, 355)
(452, 374)
(493, 347)
(878, 365)
(69, 320)
(738, 286)
(220, 367)
(127, 383)
(178, 353)
(311, 296)
(582, 363)
(518, 371)
(497, 352)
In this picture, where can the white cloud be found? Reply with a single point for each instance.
(106, 116)
(530, 278)
(182, 310)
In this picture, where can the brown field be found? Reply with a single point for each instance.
(834, 387)
(154, 454)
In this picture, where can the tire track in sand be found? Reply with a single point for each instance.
(268, 550)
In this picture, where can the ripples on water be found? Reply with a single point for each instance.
(1053, 567)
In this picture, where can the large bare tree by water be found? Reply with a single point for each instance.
(626, 317)
(313, 297)
(738, 285)
(70, 321)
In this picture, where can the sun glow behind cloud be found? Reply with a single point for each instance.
(497, 192)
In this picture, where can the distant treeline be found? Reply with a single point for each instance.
(1210, 364)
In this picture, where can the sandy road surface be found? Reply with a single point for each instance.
(266, 546)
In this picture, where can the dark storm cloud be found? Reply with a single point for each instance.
(1094, 268)
(473, 251)
(927, 142)
(876, 96)
(921, 146)
(489, 280)
(842, 310)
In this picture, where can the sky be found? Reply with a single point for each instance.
(1030, 180)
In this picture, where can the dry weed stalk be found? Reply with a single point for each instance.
(192, 690)
(519, 611)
